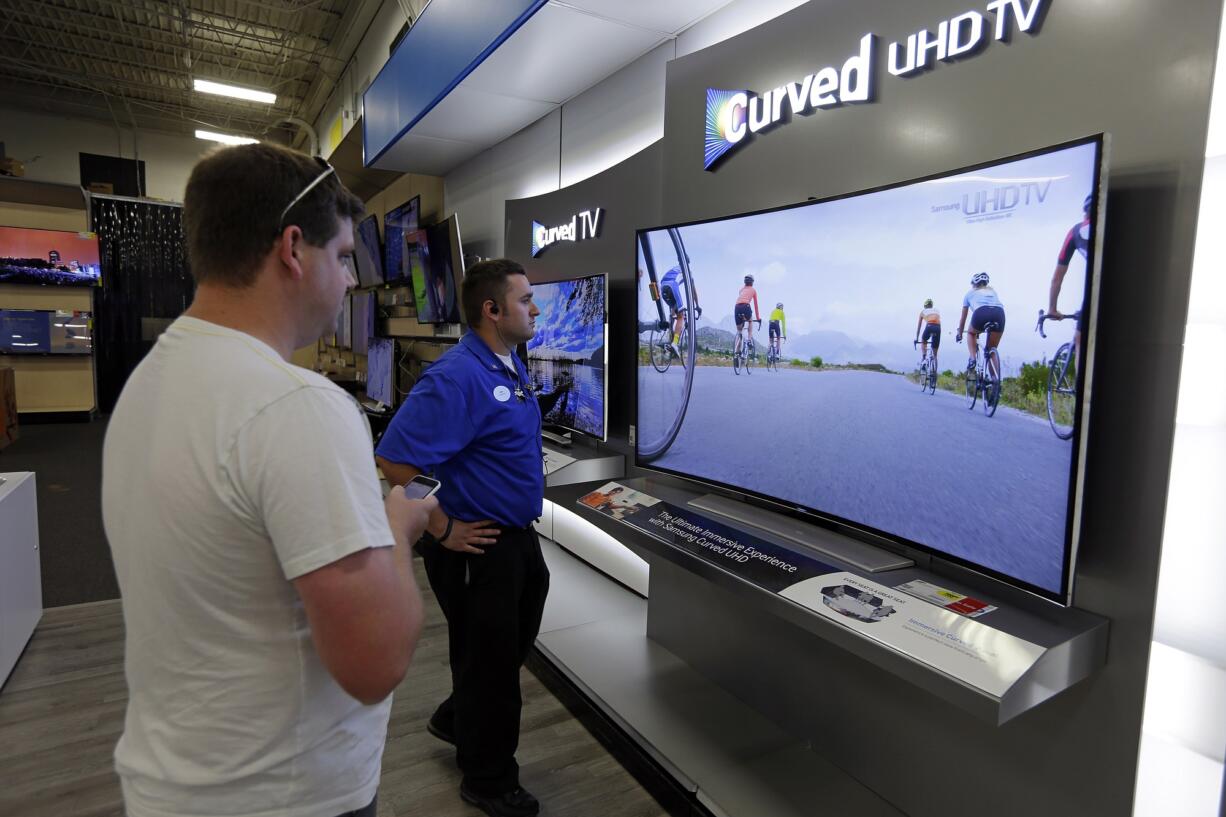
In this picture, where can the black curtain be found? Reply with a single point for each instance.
(144, 275)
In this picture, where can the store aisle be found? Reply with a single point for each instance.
(62, 710)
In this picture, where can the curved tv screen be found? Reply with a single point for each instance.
(567, 355)
(819, 356)
(49, 257)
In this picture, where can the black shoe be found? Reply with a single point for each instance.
(440, 730)
(515, 803)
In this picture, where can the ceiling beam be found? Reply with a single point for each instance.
(162, 38)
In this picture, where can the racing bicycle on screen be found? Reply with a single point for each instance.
(927, 371)
(744, 350)
(984, 380)
(1061, 381)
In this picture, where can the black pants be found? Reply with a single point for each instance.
(493, 604)
(369, 811)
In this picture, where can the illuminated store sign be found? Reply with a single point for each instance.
(733, 116)
(581, 226)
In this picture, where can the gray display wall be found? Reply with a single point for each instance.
(1137, 70)
(1141, 71)
(629, 196)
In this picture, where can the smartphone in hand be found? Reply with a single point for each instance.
(420, 487)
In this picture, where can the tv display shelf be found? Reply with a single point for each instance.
(1042, 649)
(581, 463)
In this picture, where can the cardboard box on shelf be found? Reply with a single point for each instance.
(8, 407)
(101, 187)
(12, 167)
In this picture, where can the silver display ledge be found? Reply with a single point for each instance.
(581, 464)
(1072, 644)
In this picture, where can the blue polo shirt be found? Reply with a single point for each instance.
(464, 423)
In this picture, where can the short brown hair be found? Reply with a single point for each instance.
(232, 208)
(486, 281)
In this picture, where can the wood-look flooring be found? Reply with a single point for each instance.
(62, 711)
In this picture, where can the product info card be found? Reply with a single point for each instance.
(935, 635)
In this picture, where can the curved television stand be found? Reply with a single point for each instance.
(717, 615)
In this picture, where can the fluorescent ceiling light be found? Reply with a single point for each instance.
(225, 138)
(207, 87)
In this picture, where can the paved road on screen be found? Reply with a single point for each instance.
(871, 447)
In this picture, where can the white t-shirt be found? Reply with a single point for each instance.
(226, 473)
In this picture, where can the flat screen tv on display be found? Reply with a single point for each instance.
(49, 257)
(363, 323)
(396, 223)
(844, 424)
(45, 332)
(367, 254)
(436, 269)
(380, 370)
(568, 356)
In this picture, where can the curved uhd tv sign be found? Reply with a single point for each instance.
(856, 396)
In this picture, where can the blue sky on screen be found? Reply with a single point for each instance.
(863, 265)
(559, 329)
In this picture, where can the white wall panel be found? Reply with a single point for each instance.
(524, 165)
(51, 146)
(604, 125)
(730, 21)
(615, 119)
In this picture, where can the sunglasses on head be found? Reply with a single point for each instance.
(327, 171)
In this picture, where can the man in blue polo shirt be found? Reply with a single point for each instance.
(474, 423)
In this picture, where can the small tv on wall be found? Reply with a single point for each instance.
(396, 224)
(975, 460)
(45, 332)
(367, 253)
(49, 258)
(568, 356)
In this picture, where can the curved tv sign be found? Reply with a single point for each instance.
(732, 117)
(581, 227)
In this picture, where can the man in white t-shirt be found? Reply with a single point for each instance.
(268, 595)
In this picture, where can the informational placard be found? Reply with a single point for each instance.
(923, 621)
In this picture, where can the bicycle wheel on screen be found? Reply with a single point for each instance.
(972, 388)
(991, 382)
(932, 377)
(655, 435)
(748, 358)
(1062, 392)
(736, 356)
(923, 376)
(658, 350)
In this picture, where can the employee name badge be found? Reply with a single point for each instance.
(502, 394)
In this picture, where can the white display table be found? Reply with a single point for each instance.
(21, 593)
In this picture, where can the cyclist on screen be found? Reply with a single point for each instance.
(778, 322)
(930, 320)
(742, 312)
(671, 292)
(984, 306)
(1076, 241)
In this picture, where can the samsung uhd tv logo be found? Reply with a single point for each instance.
(732, 117)
(580, 227)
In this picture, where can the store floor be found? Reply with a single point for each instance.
(62, 711)
(66, 459)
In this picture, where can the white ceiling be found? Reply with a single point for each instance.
(564, 49)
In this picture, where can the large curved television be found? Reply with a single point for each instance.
(567, 357)
(980, 466)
